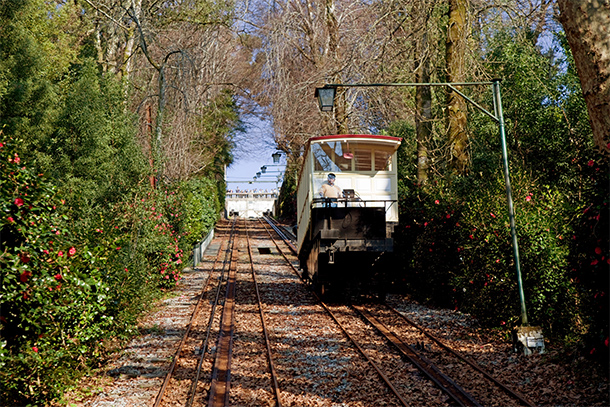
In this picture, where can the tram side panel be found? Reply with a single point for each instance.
(304, 198)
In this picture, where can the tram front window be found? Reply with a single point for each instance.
(341, 156)
(325, 155)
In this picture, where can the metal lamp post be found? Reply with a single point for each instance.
(326, 97)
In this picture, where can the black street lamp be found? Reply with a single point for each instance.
(326, 97)
(276, 157)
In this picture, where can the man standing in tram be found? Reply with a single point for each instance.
(329, 189)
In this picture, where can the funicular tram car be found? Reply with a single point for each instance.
(342, 241)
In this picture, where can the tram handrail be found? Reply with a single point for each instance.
(343, 202)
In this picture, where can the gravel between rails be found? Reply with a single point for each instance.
(250, 375)
(315, 363)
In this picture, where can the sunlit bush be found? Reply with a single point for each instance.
(68, 287)
(54, 295)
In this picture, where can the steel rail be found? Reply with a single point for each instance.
(221, 373)
(276, 386)
(383, 376)
(446, 384)
(204, 346)
(501, 385)
(172, 367)
(281, 233)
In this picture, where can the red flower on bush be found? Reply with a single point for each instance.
(18, 201)
(15, 159)
(10, 219)
(71, 251)
(24, 258)
(58, 277)
(24, 276)
(60, 253)
(591, 163)
(34, 348)
(598, 250)
(437, 202)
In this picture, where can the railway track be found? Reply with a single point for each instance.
(420, 346)
(489, 391)
(188, 353)
(240, 323)
(209, 336)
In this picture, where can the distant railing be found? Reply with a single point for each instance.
(200, 248)
(252, 195)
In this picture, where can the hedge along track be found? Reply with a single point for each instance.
(456, 394)
(227, 241)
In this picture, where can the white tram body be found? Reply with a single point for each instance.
(357, 227)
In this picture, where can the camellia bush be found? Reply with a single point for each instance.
(54, 295)
(67, 288)
(454, 240)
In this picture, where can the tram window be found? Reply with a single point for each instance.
(344, 160)
(340, 156)
(322, 154)
(362, 159)
(382, 160)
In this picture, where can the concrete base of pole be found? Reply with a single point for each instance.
(528, 339)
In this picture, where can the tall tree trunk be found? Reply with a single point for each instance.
(423, 104)
(457, 33)
(127, 60)
(586, 25)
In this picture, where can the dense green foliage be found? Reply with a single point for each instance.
(68, 286)
(287, 201)
(85, 242)
(455, 240)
